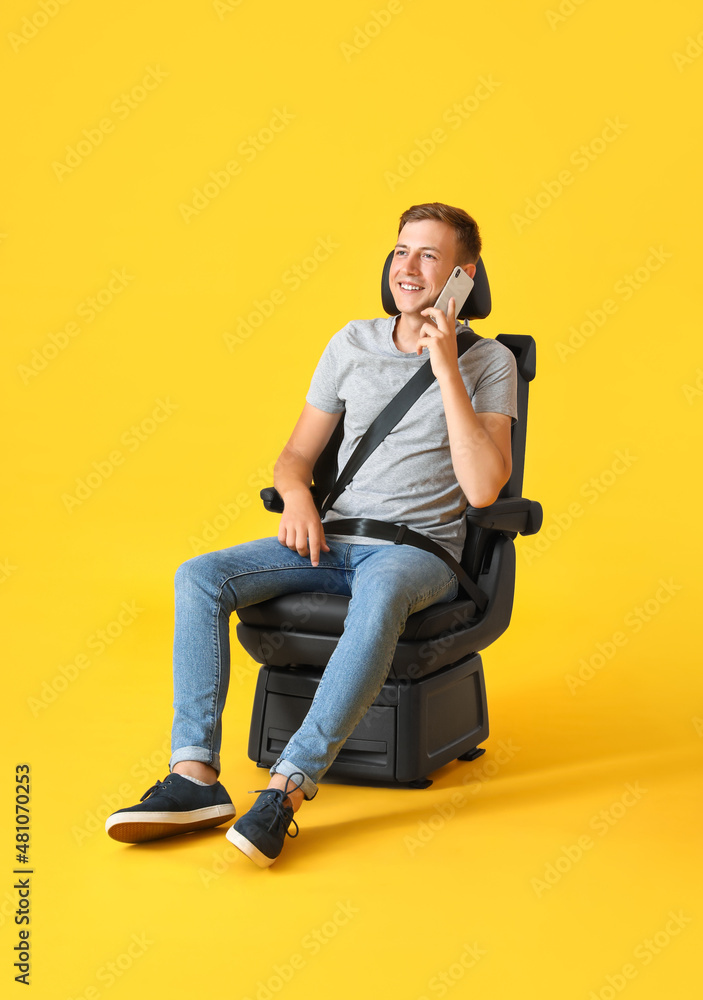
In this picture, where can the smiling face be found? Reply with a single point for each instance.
(423, 259)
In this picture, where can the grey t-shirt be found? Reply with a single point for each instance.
(409, 479)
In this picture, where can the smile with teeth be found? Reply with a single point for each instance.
(410, 288)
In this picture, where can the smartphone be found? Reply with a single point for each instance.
(458, 285)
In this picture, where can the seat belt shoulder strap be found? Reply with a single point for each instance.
(389, 416)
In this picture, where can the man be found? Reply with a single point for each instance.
(453, 445)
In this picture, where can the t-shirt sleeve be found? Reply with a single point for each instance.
(323, 386)
(496, 386)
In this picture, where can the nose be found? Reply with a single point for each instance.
(412, 263)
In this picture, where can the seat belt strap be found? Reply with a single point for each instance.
(386, 420)
(389, 416)
(400, 534)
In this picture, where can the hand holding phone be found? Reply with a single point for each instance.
(458, 285)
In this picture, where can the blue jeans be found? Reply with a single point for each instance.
(386, 583)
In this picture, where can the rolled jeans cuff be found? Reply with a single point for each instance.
(195, 753)
(288, 769)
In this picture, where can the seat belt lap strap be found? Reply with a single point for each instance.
(401, 534)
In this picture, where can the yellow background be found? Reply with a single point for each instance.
(359, 95)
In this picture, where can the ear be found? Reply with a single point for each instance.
(469, 268)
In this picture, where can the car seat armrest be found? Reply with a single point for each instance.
(273, 500)
(515, 514)
(511, 514)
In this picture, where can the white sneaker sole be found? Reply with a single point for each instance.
(134, 828)
(246, 847)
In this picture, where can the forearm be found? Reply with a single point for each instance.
(291, 474)
(478, 463)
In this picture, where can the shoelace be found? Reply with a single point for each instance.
(153, 789)
(277, 800)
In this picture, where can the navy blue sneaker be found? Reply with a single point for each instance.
(172, 806)
(261, 832)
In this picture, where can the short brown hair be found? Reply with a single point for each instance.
(468, 238)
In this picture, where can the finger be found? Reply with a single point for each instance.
(284, 534)
(451, 313)
(314, 547)
(317, 542)
(323, 540)
(295, 540)
(301, 541)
